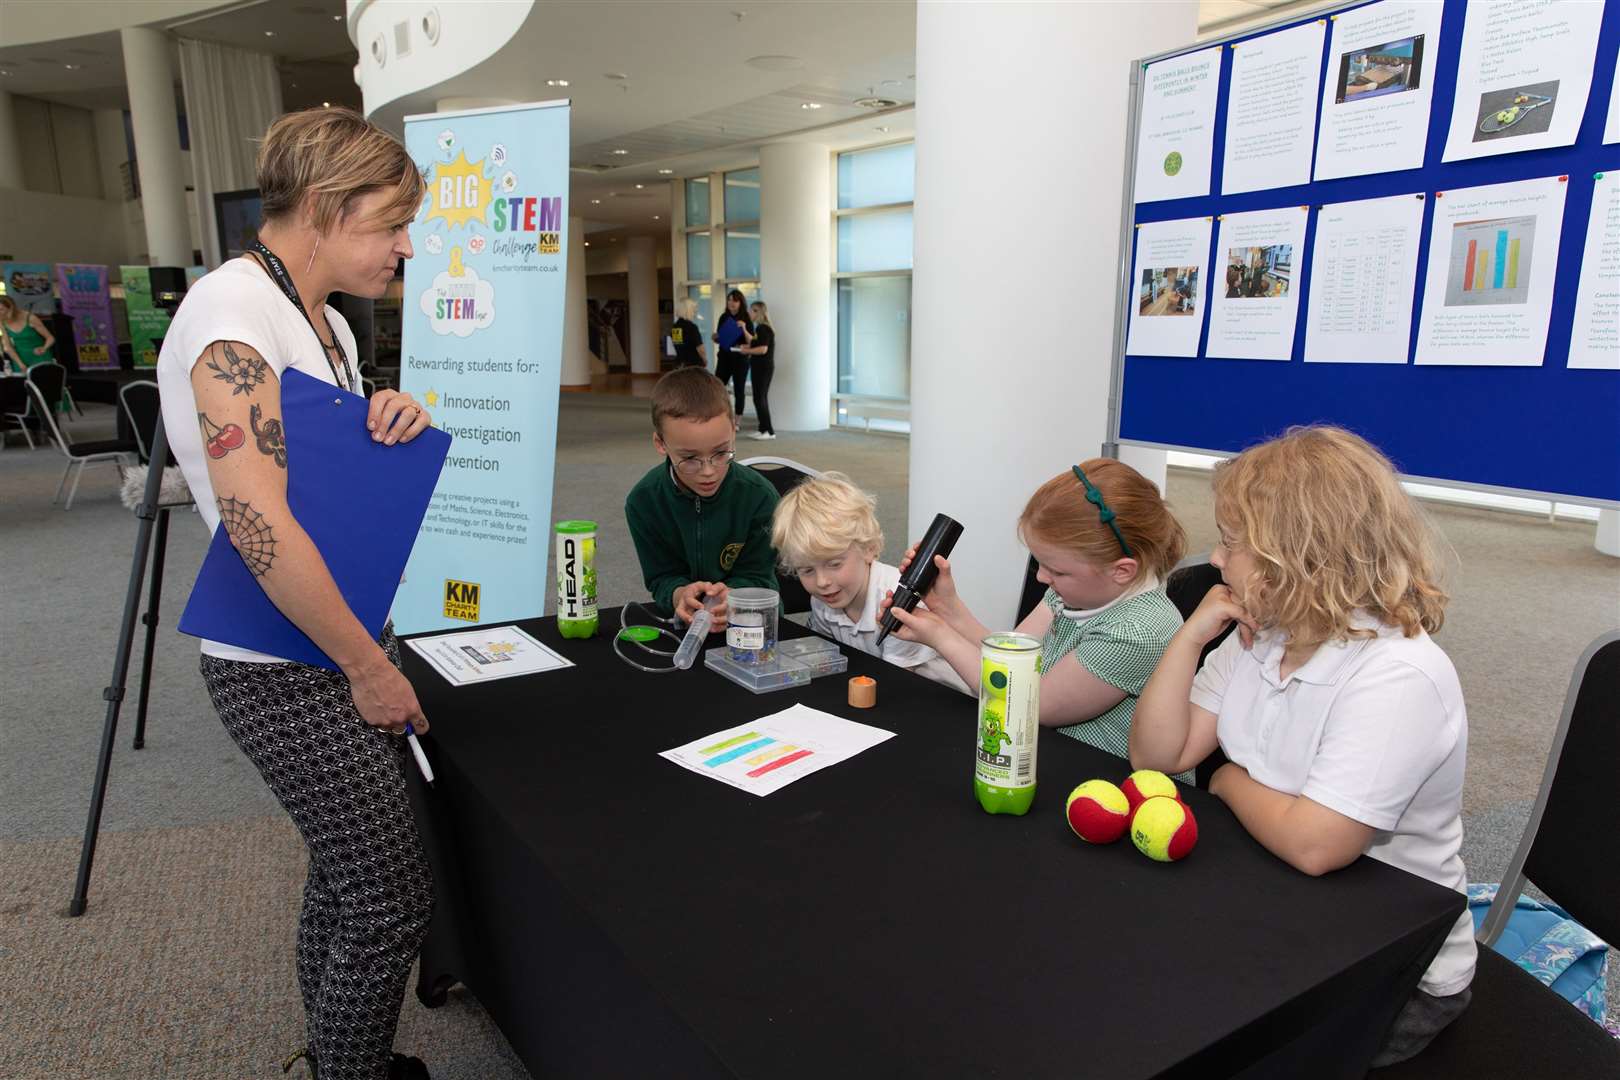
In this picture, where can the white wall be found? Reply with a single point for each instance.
(40, 227)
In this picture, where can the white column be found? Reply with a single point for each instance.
(1011, 195)
(644, 322)
(1608, 532)
(795, 279)
(11, 170)
(150, 77)
(112, 151)
(576, 354)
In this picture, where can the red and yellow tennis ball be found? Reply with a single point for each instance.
(1144, 784)
(1164, 829)
(1098, 812)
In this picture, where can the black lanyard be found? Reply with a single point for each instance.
(278, 273)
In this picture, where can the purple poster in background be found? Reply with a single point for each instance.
(84, 297)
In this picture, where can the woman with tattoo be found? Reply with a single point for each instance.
(338, 194)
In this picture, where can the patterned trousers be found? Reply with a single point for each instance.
(370, 892)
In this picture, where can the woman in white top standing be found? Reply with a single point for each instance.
(338, 195)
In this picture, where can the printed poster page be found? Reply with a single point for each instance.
(1594, 339)
(1523, 76)
(1256, 294)
(772, 752)
(1271, 109)
(465, 657)
(1363, 278)
(1172, 258)
(1175, 139)
(1493, 255)
(1377, 88)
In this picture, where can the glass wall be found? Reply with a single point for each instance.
(872, 277)
(721, 241)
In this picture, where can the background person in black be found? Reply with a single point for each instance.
(686, 337)
(732, 366)
(762, 353)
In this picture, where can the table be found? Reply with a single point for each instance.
(620, 916)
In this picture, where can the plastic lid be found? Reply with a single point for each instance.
(575, 526)
(639, 633)
(752, 599)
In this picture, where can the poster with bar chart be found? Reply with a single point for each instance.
(770, 753)
(1490, 261)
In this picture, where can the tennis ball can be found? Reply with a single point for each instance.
(1009, 723)
(576, 579)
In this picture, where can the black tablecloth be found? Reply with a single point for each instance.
(621, 916)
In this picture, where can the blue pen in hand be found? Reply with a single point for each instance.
(416, 749)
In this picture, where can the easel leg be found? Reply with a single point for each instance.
(161, 544)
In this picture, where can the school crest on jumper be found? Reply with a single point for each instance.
(728, 556)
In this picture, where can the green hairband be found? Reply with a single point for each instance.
(1106, 515)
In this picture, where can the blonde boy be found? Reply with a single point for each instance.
(824, 531)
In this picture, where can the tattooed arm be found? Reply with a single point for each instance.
(239, 411)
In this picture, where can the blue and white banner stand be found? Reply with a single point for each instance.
(482, 349)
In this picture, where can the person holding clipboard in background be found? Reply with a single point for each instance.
(732, 329)
(338, 195)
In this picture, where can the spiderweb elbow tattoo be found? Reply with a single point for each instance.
(252, 536)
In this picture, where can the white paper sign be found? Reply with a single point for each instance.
(1493, 256)
(1258, 257)
(1363, 278)
(1523, 76)
(1177, 131)
(464, 657)
(1171, 284)
(1376, 91)
(1271, 110)
(1594, 339)
(1611, 130)
(773, 751)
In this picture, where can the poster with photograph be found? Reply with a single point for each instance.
(1256, 294)
(1172, 259)
(1176, 134)
(1377, 88)
(1271, 110)
(1594, 339)
(1363, 278)
(29, 286)
(1493, 257)
(1523, 76)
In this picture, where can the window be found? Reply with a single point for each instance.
(697, 202)
(880, 177)
(742, 253)
(879, 241)
(698, 263)
(872, 276)
(742, 196)
(704, 295)
(874, 337)
(721, 251)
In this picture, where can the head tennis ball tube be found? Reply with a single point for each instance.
(919, 576)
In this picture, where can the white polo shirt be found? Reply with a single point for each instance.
(831, 622)
(1373, 728)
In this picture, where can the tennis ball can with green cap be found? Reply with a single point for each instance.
(576, 579)
(1009, 723)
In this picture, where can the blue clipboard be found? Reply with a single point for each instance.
(361, 503)
(729, 334)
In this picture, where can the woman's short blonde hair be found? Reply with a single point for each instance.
(1331, 532)
(332, 157)
(822, 518)
(686, 308)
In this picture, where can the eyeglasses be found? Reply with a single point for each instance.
(691, 466)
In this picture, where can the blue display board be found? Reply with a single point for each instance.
(1545, 430)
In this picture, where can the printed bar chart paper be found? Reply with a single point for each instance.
(1271, 110)
(1594, 340)
(1377, 88)
(772, 752)
(1258, 257)
(1170, 280)
(1176, 136)
(1363, 278)
(1493, 257)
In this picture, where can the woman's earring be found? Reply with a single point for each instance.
(312, 252)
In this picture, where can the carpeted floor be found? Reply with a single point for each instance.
(183, 965)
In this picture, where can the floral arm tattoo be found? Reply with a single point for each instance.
(242, 372)
(271, 440)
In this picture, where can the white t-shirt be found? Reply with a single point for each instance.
(1373, 728)
(913, 655)
(237, 302)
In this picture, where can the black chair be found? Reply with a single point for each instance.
(142, 406)
(1516, 1027)
(78, 454)
(14, 408)
(1186, 587)
(785, 474)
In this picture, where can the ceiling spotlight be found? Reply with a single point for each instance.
(620, 153)
(596, 202)
(640, 186)
(884, 130)
(587, 243)
(666, 172)
(337, 18)
(556, 82)
(657, 218)
(810, 105)
(326, 104)
(71, 67)
(269, 33)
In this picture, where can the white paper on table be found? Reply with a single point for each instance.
(1493, 256)
(1594, 339)
(1255, 305)
(1363, 280)
(1170, 282)
(464, 657)
(1376, 92)
(1525, 71)
(1271, 109)
(773, 751)
(1611, 130)
(1176, 135)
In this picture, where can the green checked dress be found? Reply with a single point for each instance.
(1120, 644)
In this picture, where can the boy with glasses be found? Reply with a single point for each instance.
(700, 527)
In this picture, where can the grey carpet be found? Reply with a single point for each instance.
(183, 967)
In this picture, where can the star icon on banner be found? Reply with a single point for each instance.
(431, 397)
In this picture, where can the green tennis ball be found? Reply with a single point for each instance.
(1164, 829)
(1144, 784)
(1098, 812)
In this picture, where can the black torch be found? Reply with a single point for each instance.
(919, 576)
